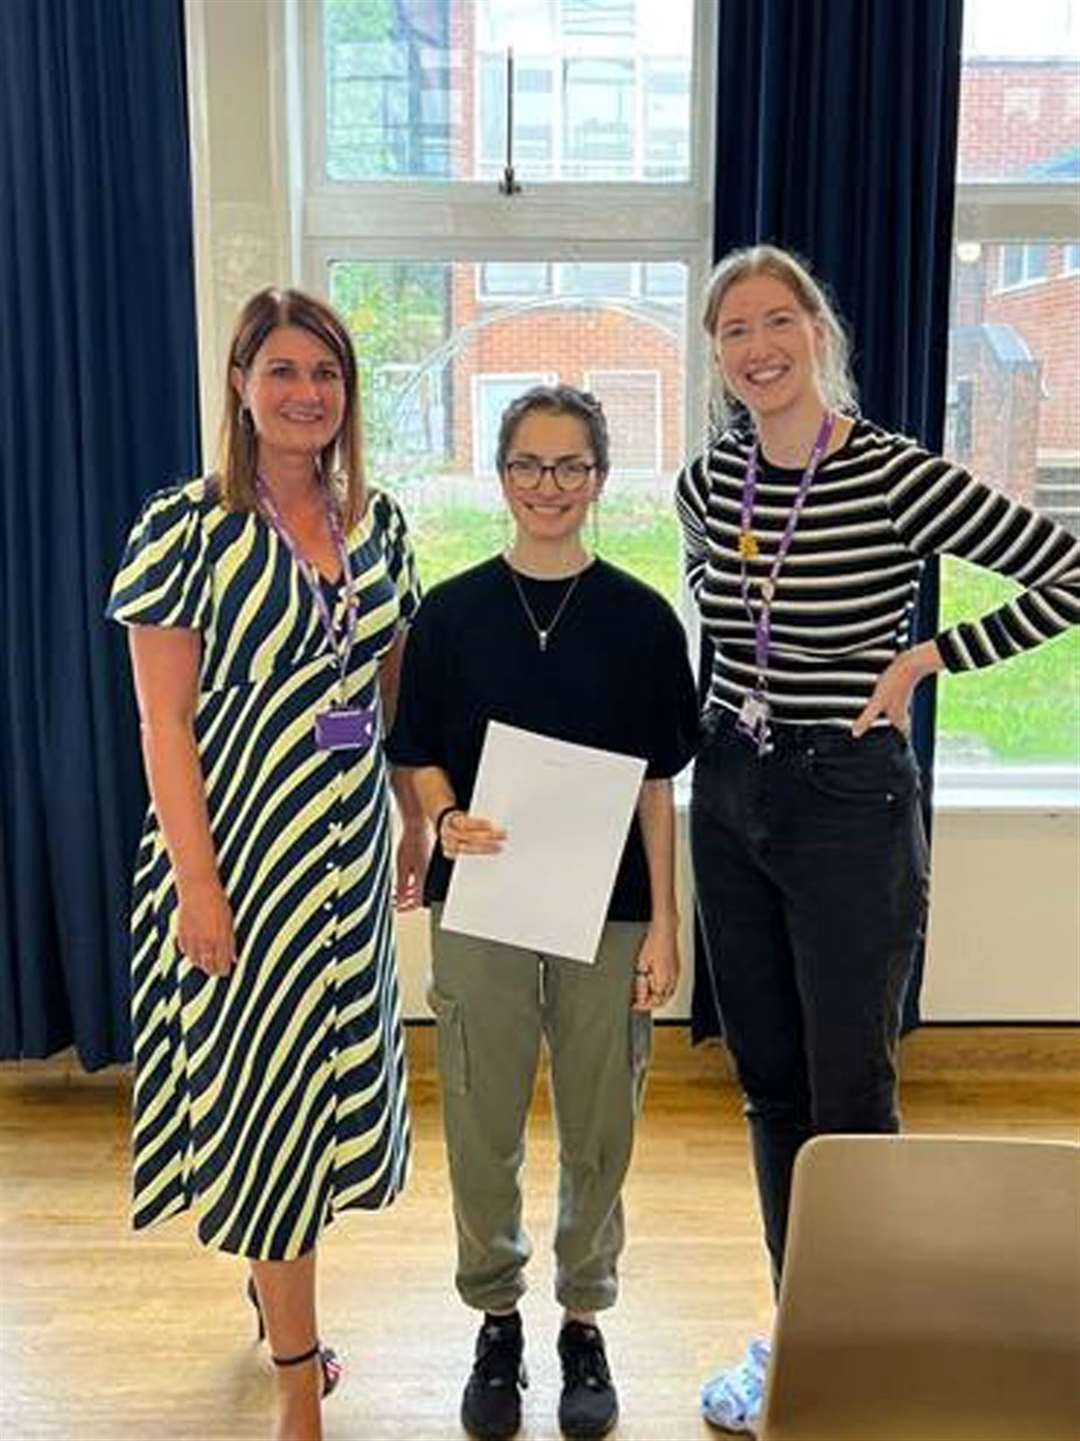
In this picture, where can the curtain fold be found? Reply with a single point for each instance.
(836, 137)
(98, 406)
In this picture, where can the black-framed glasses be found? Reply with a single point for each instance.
(570, 474)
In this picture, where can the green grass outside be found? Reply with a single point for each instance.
(1024, 710)
(642, 536)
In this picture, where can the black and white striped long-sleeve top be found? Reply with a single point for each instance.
(877, 508)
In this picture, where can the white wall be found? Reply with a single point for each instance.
(1004, 940)
(1005, 916)
(1005, 909)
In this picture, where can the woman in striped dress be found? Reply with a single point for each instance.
(805, 536)
(266, 606)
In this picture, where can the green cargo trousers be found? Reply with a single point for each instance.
(493, 1004)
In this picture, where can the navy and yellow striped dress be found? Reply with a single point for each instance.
(269, 1099)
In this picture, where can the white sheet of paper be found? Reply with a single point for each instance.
(566, 810)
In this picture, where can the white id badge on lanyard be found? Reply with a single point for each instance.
(753, 715)
(753, 721)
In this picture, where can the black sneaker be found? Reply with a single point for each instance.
(588, 1405)
(491, 1402)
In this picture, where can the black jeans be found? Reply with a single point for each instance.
(810, 867)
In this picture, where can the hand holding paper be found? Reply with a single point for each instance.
(464, 833)
(566, 810)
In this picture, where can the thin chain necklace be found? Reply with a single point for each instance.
(543, 633)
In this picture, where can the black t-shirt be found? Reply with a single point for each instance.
(614, 676)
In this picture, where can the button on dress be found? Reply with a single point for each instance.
(269, 1099)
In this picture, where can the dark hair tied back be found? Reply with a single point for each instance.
(556, 400)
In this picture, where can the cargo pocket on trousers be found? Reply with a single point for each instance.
(641, 1039)
(450, 1029)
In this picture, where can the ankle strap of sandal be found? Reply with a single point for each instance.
(296, 1360)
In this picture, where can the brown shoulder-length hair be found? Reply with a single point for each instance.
(340, 462)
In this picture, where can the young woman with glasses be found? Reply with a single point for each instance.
(553, 640)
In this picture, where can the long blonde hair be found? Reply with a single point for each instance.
(341, 461)
(837, 385)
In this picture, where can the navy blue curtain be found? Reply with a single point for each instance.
(836, 137)
(98, 405)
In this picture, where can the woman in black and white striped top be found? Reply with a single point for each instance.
(878, 507)
(805, 536)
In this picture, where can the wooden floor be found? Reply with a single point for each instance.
(106, 1336)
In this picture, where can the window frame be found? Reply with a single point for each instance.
(1026, 248)
(524, 379)
(510, 297)
(1012, 213)
(632, 292)
(458, 221)
(339, 207)
(455, 221)
(638, 289)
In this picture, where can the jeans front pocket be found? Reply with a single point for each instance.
(877, 771)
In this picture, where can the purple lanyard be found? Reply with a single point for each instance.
(343, 652)
(762, 622)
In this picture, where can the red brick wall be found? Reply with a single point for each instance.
(1047, 314)
(1004, 418)
(1015, 114)
(1043, 417)
(569, 345)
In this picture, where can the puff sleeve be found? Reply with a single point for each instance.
(164, 578)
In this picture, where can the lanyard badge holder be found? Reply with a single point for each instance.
(755, 713)
(345, 728)
(340, 727)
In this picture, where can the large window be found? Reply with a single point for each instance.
(418, 89)
(1014, 363)
(460, 297)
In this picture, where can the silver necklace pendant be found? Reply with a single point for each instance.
(543, 634)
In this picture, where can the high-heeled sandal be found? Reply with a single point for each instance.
(328, 1363)
(328, 1357)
